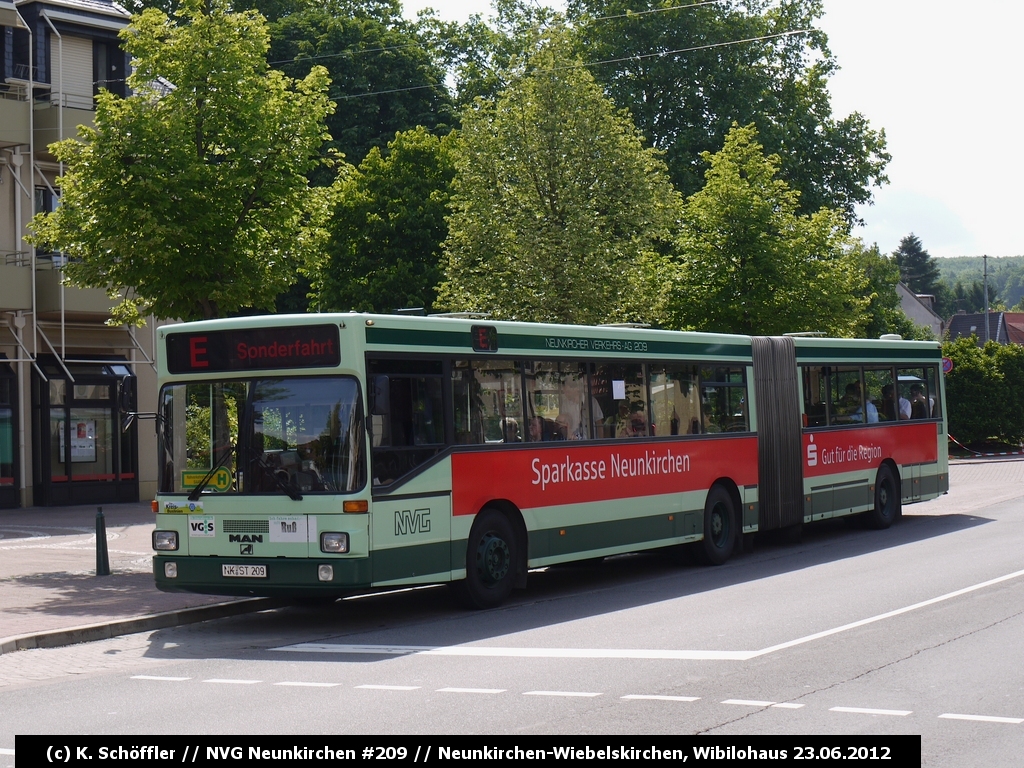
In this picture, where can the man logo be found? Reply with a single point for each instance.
(245, 549)
(416, 521)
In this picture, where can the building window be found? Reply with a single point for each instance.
(108, 68)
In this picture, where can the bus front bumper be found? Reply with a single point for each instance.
(278, 577)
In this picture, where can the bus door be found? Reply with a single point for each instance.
(410, 514)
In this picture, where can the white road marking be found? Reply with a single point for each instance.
(310, 685)
(5, 751)
(787, 705)
(862, 711)
(471, 690)
(389, 687)
(623, 653)
(583, 694)
(749, 703)
(155, 677)
(889, 615)
(535, 653)
(984, 718)
(642, 697)
(229, 681)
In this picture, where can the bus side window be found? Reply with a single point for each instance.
(675, 402)
(619, 400)
(913, 389)
(815, 381)
(723, 399)
(407, 415)
(556, 401)
(846, 398)
(487, 401)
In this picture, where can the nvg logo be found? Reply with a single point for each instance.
(416, 521)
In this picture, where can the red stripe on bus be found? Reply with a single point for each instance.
(848, 450)
(568, 473)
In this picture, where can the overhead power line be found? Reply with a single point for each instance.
(634, 57)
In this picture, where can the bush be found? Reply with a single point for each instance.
(985, 391)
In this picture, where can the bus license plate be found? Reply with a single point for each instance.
(245, 571)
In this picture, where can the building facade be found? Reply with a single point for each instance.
(65, 375)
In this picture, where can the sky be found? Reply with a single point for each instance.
(946, 82)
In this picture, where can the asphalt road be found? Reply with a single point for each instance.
(849, 631)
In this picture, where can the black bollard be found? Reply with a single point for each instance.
(102, 560)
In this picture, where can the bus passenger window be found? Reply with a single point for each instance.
(723, 396)
(618, 399)
(675, 402)
(846, 397)
(879, 394)
(913, 386)
(815, 381)
(487, 401)
(556, 401)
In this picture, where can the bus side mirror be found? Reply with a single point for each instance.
(124, 394)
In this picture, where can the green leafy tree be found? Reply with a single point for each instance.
(884, 311)
(917, 267)
(751, 264)
(382, 69)
(387, 229)
(190, 196)
(688, 71)
(559, 212)
(481, 55)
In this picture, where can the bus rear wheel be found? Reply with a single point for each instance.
(887, 500)
(719, 527)
(492, 554)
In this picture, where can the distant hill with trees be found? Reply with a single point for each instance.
(962, 277)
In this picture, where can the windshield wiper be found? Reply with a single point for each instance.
(228, 450)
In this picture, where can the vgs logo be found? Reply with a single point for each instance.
(201, 527)
(415, 521)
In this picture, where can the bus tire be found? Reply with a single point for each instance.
(719, 527)
(492, 554)
(887, 500)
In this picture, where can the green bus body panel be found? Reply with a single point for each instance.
(826, 351)
(420, 563)
(629, 532)
(580, 344)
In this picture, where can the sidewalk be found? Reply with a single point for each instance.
(50, 594)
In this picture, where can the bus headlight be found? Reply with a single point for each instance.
(165, 541)
(336, 543)
(170, 570)
(325, 572)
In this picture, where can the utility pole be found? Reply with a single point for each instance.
(984, 261)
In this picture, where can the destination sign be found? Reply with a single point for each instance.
(254, 349)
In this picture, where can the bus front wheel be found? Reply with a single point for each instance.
(887, 500)
(491, 562)
(719, 527)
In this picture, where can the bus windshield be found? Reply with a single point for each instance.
(262, 436)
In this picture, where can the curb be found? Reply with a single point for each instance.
(88, 633)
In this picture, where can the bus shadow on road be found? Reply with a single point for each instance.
(423, 617)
